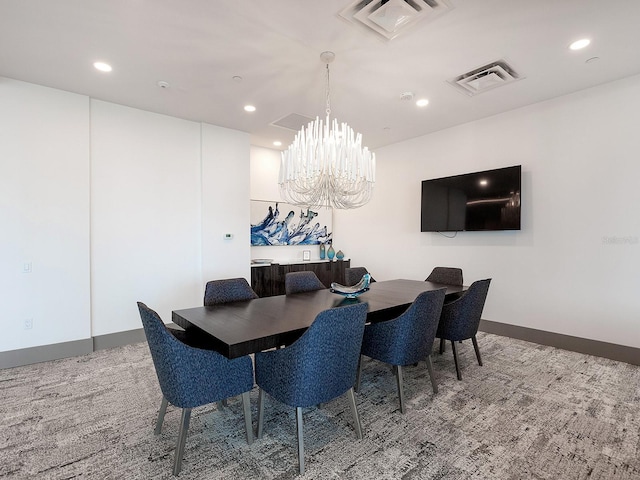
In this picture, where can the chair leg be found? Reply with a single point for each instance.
(248, 424)
(441, 346)
(354, 411)
(261, 396)
(475, 347)
(455, 359)
(161, 413)
(182, 439)
(300, 439)
(434, 385)
(357, 385)
(400, 387)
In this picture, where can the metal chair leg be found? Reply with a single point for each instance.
(434, 385)
(300, 439)
(400, 389)
(161, 413)
(441, 346)
(455, 359)
(475, 347)
(248, 424)
(354, 411)
(357, 385)
(261, 396)
(182, 439)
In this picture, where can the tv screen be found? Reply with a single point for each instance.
(488, 200)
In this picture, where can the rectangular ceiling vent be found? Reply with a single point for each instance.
(293, 121)
(487, 77)
(390, 18)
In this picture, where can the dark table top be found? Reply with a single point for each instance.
(240, 328)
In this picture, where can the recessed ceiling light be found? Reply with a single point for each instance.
(423, 102)
(103, 67)
(249, 108)
(277, 143)
(580, 44)
(483, 182)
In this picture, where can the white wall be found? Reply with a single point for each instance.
(44, 215)
(111, 205)
(225, 186)
(145, 215)
(579, 155)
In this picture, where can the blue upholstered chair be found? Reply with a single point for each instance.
(354, 274)
(190, 377)
(296, 282)
(460, 319)
(448, 275)
(318, 367)
(406, 339)
(227, 290)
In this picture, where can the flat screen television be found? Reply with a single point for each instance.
(488, 200)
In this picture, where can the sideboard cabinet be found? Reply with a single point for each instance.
(268, 280)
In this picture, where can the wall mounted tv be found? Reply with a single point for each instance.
(488, 200)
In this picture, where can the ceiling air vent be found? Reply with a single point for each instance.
(293, 121)
(487, 77)
(389, 18)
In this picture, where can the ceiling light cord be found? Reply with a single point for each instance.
(328, 110)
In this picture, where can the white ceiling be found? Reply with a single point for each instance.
(197, 46)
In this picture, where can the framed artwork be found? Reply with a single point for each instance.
(279, 223)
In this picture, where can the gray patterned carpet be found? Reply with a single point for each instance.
(530, 412)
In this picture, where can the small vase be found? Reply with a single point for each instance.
(331, 252)
(322, 251)
(339, 255)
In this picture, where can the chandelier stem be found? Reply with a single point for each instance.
(328, 93)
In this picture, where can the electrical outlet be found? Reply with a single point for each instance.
(28, 323)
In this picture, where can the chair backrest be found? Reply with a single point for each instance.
(165, 352)
(448, 275)
(227, 290)
(296, 282)
(353, 275)
(323, 362)
(460, 319)
(409, 338)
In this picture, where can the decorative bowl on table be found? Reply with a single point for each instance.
(353, 291)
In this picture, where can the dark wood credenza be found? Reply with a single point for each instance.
(268, 280)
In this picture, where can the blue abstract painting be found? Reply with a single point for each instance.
(279, 223)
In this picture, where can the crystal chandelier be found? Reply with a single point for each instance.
(326, 165)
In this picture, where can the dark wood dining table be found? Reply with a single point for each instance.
(239, 328)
